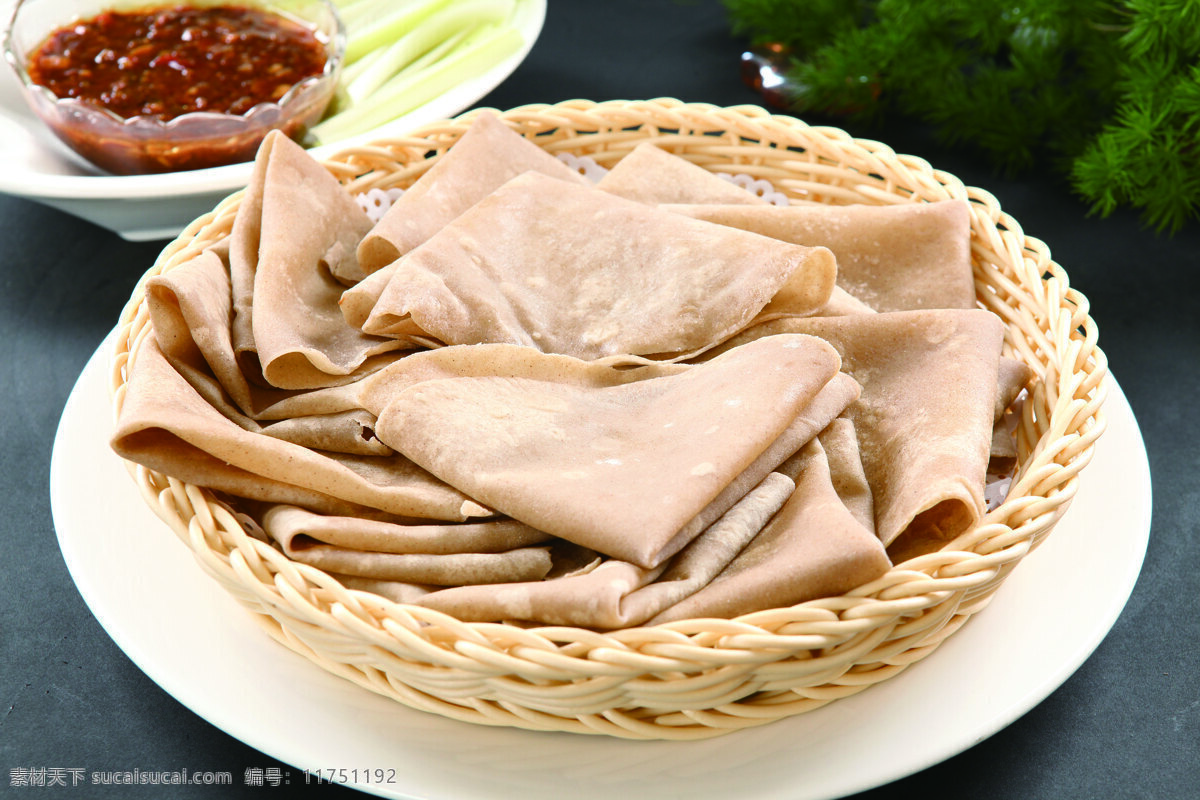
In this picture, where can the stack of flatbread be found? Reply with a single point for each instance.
(522, 397)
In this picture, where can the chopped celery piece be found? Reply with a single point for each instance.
(389, 22)
(438, 27)
(410, 89)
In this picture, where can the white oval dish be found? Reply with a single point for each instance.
(198, 644)
(35, 165)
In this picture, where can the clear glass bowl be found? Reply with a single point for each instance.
(196, 140)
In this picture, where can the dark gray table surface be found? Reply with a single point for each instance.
(1125, 725)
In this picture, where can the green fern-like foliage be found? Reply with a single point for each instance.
(1106, 93)
(1148, 154)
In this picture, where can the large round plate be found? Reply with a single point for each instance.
(34, 164)
(197, 643)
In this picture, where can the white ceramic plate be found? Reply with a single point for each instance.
(34, 164)
(197, 643)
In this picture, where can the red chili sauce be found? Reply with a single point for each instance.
(167, 61)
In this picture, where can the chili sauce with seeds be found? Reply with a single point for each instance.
(171, 60)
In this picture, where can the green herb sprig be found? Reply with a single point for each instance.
(1107, 93)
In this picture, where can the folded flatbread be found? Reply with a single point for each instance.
(622, 470)
(893, 258)
(1010, 383)
(291, 248)
(1014, 376)
(566, 560)
(458, 569)
(816, 546)
(649, 174)
(507, 361)
(430, 554)
(925, 417)
(301, 527)
(488, 155)
(570, 269)
(526, 398)
(167, 426)
(617, 594)
(191, 309)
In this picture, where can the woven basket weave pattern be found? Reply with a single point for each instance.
(695, 678)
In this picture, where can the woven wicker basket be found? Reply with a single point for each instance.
(696, 678)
